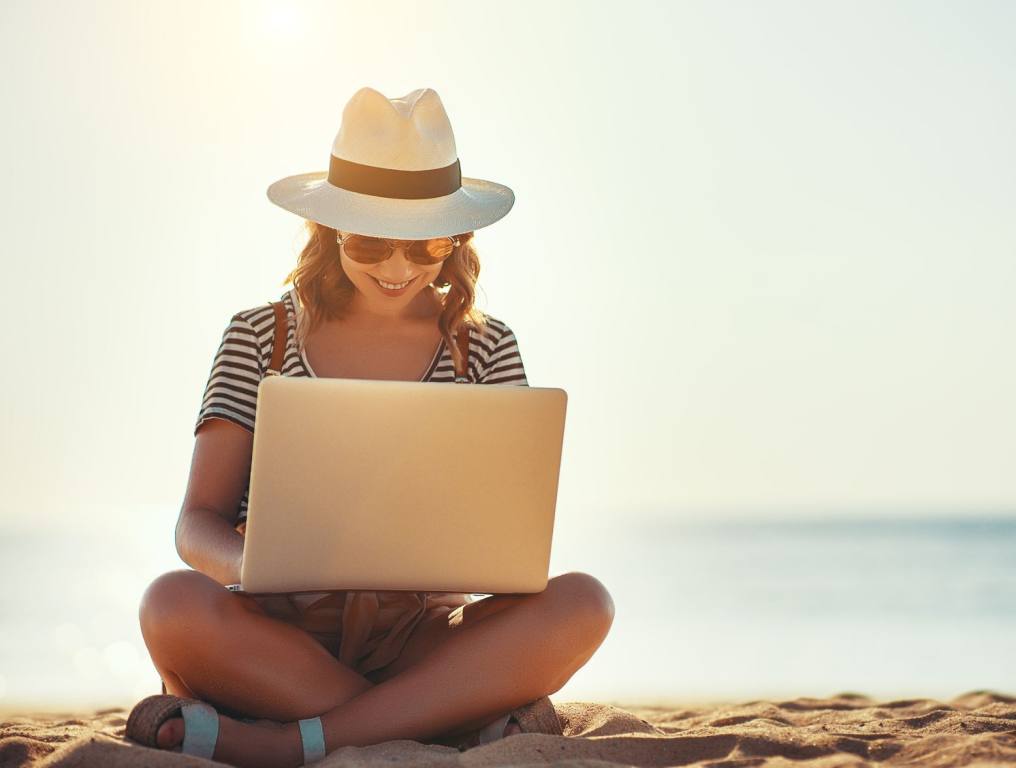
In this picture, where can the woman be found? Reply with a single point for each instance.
(383, 290)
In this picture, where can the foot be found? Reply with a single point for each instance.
(261, 744)
(472, 739)
(512, 727)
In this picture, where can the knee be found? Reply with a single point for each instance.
(179, 600)
(585, 602)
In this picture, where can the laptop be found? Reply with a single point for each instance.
(363, 484)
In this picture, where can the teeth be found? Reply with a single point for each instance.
(393, 286)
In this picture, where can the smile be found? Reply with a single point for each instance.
(392, 286)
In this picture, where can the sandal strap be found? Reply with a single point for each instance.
(201, 729)
(493, 731)
(312, 734)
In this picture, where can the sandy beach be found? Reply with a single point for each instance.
(975, 729)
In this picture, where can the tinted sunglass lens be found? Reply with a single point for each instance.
(371, 250)
(431, 251)
(368, 250)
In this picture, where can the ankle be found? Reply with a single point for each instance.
(293, 739)
(312, 740)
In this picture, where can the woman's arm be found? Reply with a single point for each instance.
(206, 538)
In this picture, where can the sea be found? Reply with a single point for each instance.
(704, 610)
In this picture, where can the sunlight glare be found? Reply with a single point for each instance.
(281, 20)
(67, 636)
(121, 658)
(88, 662)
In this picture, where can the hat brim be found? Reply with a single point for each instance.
(477, 203)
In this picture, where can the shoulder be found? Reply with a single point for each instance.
(261, 318)
(254, 329)
(500, 360)
(495, 334)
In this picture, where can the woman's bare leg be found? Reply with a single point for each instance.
(220, 647)
(527, 649)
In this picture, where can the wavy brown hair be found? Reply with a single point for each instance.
(325, 290)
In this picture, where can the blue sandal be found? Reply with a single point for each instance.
(201, 726)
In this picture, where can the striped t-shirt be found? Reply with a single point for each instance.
(246, 350)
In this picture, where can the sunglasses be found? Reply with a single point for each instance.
(374, 250)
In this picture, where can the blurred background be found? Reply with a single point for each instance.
(767, 248)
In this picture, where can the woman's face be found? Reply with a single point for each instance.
(390, 286)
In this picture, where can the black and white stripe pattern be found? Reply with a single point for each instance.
(246, 349)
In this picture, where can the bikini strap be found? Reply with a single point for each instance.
(279, 344)
(462, 369)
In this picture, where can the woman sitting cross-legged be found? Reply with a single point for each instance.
(382, 290)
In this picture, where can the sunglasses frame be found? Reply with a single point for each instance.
(394, 245)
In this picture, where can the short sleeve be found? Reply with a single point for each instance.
(504, 364)
(232, 389)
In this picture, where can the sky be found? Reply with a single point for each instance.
(767, 249)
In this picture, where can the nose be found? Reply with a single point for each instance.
(397, 268)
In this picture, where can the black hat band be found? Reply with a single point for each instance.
(388, 182)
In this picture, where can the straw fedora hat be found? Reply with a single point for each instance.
(394, 172)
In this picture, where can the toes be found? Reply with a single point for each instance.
(170, 733)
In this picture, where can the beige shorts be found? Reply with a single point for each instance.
(364, 630)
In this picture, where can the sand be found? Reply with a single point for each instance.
(976, 729)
